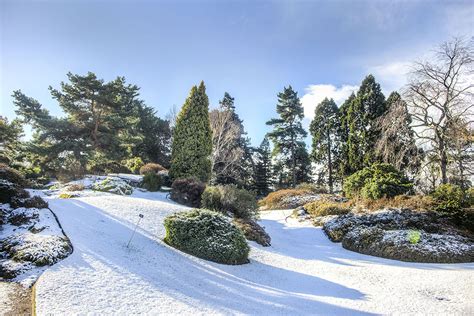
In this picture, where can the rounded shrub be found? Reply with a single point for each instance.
(151, 168)
(449, 198)
(377, 181)
(240, 202)
(211, 199)
(187, 191)
(151, 182)
(207, 235)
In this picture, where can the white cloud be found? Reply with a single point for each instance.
(315, 93)
(391, 76)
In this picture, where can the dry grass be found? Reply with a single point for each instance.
(75, 187)
(325, 207)
(275, 200)
(413, 202)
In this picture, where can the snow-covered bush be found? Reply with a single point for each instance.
(22, 216)
(151, 182)
(230, 199)
(12, 175)
(35, 248)
(151, 168)
(253, 231)
(35, 201)
(207, 235)
(9, 191)
(187, 191)
(377, 181)
(113, 185)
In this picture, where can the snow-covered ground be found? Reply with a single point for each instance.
(301, 273)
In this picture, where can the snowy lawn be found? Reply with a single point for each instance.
(301, 273)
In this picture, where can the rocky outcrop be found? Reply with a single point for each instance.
(402, 235)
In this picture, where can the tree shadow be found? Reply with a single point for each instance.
(251, 288)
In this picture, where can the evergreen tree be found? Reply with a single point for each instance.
(344, 168)
(325, 132)
(396, 144)
(192, 138)
(263, 168)
(288, 131)
(10, 140)
(303, 164)
(363, 111)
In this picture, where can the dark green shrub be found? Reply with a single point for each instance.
(207, 235)
(211, 199)
(10, 191)
(187, 191)
(449, 198)
(12, 175)
(229, 198)
(377, 181)
(151, 182)
(151, 168)
(240, 202)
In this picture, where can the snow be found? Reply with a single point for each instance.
(301, 273)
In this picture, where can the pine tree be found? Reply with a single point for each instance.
(192, 138)
(344, 168)
(263, 168)
(288, 131)
(363, 111)
(10, 140)
(325, 132)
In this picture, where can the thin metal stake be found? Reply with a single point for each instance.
(136, 226)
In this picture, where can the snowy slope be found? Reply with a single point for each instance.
(301, 273)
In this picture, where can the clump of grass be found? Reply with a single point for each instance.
(414, 236)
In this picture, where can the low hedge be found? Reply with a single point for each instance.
(207, 235)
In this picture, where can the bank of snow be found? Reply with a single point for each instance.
(301, 273)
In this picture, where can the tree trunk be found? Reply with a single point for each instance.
(443, 162)
(329, 164)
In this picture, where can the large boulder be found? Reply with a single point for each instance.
(400, 245)
(207, 235)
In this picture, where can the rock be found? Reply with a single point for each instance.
(395, 244)
(253, 231)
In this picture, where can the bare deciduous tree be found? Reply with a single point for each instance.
(226, 152)
(441, 92)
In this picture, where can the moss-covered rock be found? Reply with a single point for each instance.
(207, 235)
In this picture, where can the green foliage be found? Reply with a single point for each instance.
(10, 140)
(229, 198)
(325, 132)
(365, 108)
(69, 168)
(187, 191)
(65, 195)
(449, 198)
(263, 168)
(152, 182)
(324, 208)
(207, 235)
(133, 164)
(12, 175)
(377, 181)
(413, 236)
(211, 199)
(288, 133)
(192, 138)
(151, 168)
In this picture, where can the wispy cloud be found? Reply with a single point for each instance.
(315, 93)
(391, 76)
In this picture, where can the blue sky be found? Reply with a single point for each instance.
(252, 49)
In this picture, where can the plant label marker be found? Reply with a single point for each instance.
(140, 216)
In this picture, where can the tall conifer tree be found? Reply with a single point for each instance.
(192, 138)
(288, 131)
